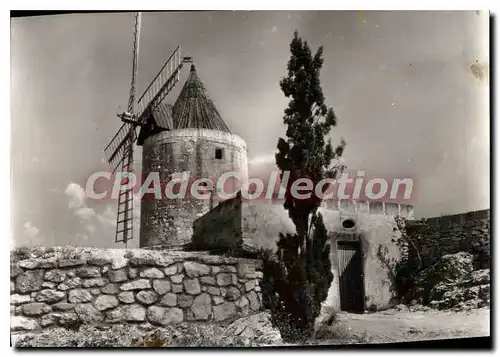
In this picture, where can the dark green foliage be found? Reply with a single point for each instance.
(407, 270)
(305, 153)
(295, 286)
(300, 274)
(405, 280)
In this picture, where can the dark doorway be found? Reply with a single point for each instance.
(351, 283)
(218, 154)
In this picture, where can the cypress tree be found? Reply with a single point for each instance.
(299, 276)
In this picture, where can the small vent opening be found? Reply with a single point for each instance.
(348, 224)
(218, 154)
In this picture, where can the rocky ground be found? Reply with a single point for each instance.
(253, 330)
(394, 325)
(452, 283)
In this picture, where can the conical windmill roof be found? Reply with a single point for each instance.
(194, 108)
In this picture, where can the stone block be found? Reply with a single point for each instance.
(231, 293)
(20, 323)
(225, 310)
(95, 282)
(56, 276)
(192, 286)
(117, 276)
(88, 314)
(110, 289)
(36, 309)
(212, 290)
(70, 284)
(194, 269)
(66, 263)
(17, 299)
(164, 315)
(139, 284)
(184, 300)
(49, 285)
(177, 288)
(15, 270)
(254, 300)
(147, 297)
(250, 285)
(161, 286)
(207, 280)
(202, 307)
(106, 302)
(79, 296)
(224, 279)
(88, 272)
(228, 269)
(29, 281)
(217, 300)
(126, 297)
(169, 299)
(153, 273)
(170, 270)
(50, 296)
(177, 279)
(63, 306)
(99, 261)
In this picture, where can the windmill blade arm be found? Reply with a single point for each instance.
(162, 74)
(135, 61)
(160, 86)
(143, 115)
(125, 134)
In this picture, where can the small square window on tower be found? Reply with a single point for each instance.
(218, 153)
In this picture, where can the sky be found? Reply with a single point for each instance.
(410, 90)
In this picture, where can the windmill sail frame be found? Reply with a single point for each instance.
(161, 85)
(119, 151)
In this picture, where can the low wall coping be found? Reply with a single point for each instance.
(68, 255)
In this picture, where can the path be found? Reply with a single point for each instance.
(402, 326)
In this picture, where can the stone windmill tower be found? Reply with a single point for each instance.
(189, 136)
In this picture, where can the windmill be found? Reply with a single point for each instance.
(119, 152)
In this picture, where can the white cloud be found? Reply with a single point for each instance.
(90, 221)
(262, 159)
(108, 216)
(76, 195)
(30, 231)
(95, 222)
(85, 213)
(274, 29)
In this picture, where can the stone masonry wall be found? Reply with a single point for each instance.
(72, 286)
(169, 222)
(467, 232)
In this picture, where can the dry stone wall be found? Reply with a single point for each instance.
(73, 286)
(467, 232)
